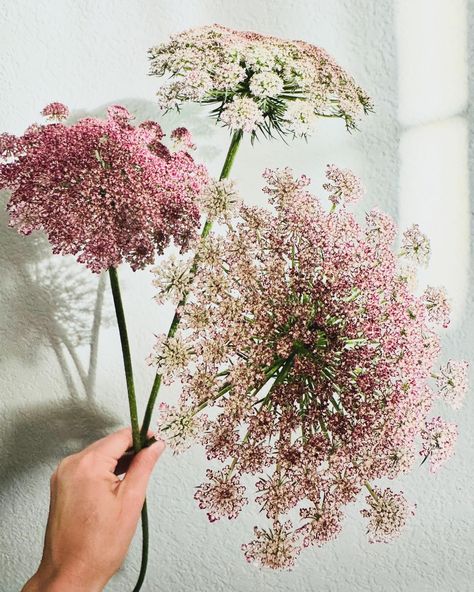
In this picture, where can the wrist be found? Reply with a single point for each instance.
(47, 580)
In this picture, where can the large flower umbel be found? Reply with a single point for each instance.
(257, 82)
(315, 358)
(104, 190)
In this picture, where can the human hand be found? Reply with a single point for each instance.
(93, 515)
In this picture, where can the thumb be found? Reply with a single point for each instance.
(141, 467)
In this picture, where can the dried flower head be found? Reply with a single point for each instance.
(322, 358)
(257, 82)
(103, 190)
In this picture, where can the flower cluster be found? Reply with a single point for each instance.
(316, 359)
(258, 82)
(439, 438)
(104, 190)
(387, 513)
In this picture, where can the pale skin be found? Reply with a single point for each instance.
(93, 515)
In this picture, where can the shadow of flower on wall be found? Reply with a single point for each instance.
(48, 302)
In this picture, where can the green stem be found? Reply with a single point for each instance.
(371, 491)
(145, 539)
(127, 359)
(229, 161)
(132, 403)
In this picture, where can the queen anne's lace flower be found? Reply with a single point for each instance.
(105, 191)
(452, 382)
(170, 356)
(344, 186)
(182, 139)
(300, 118)
(222, 496)
(286, 84)
(179, 427)
(266, 84)
(220, 200)
(276, 547)
(322, 357)
(436, 301)
(172, 278)
(416, 245)
(55, 111)
(243, 114)
(387, 514)
(439, 438)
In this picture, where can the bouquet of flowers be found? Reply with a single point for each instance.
(305, 356)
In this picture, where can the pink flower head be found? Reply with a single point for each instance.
(222, 496)
(55, 111)
(103, 190)
(322, 357)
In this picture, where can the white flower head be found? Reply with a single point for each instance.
(220, 200)
(266, 84)
(180, 428)
(438, 438)
(227, 75)
(172, 278)
(300, 117)
(416, 245)
(243, 114)
(437, 305)
(195, 85)
(453, 382)
(388, 513)
(170, 356)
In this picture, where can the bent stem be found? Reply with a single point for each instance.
(132, 404)
(229, 160)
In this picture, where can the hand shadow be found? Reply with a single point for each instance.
(47, 433)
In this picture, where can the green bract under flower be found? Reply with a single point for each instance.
(257, 83)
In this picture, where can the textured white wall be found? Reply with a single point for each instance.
(411, 55)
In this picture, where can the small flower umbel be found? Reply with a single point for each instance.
(387, 514)
(316, 358)
(258, 83)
